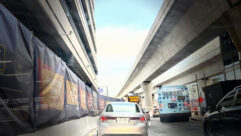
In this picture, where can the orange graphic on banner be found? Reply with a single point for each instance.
(102, 104)
(90, 101)
(83, 98)
(52, 90)
(72, 93)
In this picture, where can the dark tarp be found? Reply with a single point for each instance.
(16, 75)
(72, 95)
(101, 103)
(95, 104)
(49, 89)
(32, 83)
(90, 104)
(82, 98)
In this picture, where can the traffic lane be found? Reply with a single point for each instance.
(190, 128)
(157, 128)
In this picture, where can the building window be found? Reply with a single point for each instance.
(230, 75)
(238, 74)
(229, 52)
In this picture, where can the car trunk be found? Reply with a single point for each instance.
(122, 118)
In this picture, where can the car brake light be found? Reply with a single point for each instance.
(103, 119)
(161, 105)
(142, 119)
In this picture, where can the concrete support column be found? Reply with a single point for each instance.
(232, 21)
(147, 89)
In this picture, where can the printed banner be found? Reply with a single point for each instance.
(83, 97)
(101, 103)
(49, 89)
(89, 100)
(95, 100)
(72, 95)
(37, 89)
(16, 76)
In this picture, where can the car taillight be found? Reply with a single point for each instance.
(103, 119)
(142, 119)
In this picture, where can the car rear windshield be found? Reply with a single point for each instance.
(122, 107)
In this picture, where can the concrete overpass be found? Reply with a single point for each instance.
(181, 27)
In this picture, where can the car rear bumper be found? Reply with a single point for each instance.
(187, 114)
(122, 130)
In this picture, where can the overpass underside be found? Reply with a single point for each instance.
(181, 28)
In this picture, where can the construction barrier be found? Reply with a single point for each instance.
(37, 89)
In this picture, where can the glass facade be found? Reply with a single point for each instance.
(230, 58)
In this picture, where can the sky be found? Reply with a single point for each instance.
(121, 28)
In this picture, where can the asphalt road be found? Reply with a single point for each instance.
(172, 128)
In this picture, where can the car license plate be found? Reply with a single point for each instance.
(122, 120)
(182, 109)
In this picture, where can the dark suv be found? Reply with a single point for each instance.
(225, 118)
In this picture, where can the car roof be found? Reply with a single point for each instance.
(131, 103)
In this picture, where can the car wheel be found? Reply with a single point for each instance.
(208, 130)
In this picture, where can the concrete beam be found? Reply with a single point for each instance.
(181, 28)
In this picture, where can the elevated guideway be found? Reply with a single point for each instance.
(181, 28)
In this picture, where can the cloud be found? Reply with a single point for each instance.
(117, 48)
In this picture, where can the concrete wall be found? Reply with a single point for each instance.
(78, 127)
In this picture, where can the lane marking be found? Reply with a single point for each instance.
(93, 132)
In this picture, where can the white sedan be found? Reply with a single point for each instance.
(122, 118)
